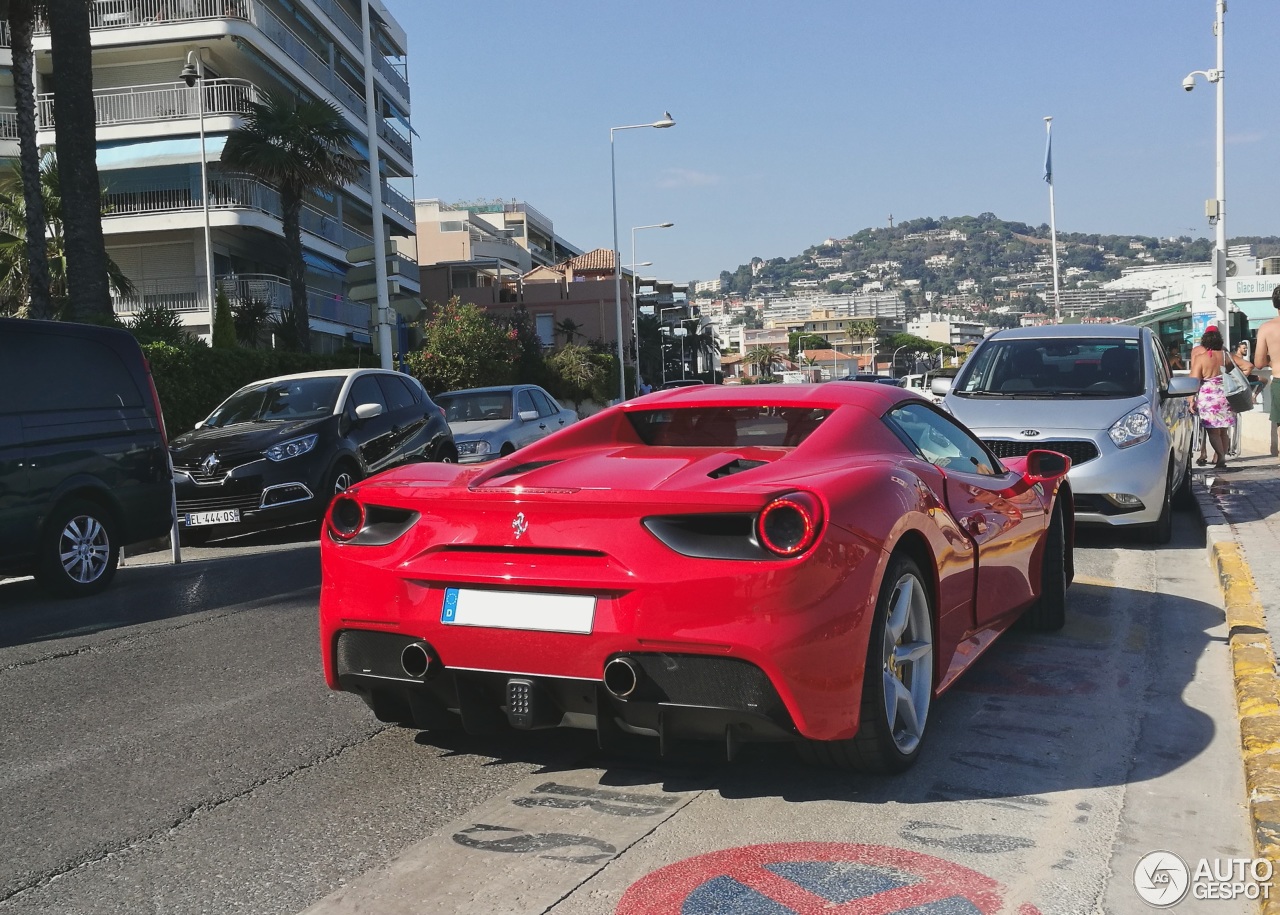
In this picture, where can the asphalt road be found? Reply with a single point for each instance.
(170, 747)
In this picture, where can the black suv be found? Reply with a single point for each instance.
(277, 451)
(83, 465)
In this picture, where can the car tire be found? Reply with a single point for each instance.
(507, 448)
(1049, 612)
(343, 476)
(446, 454)
(79, 549)
(1160, 531)
(900, 658)
(1184, 497)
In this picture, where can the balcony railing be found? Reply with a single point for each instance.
(228, 192)
(395, 139)
(161, 102)
(275, 292)
(186, 295)
(392, 75)
(8, 123)
(398, 203)
(122, 14)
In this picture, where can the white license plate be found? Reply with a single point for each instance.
(226, 516)
(533, 611)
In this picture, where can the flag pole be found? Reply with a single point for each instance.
(1053, 228)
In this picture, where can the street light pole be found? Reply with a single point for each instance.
(193, 75)
(1217, 209)
(666, 121)
(635, 291)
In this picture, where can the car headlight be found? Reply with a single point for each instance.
(1133, 428)
(291, 448)
(470, 448)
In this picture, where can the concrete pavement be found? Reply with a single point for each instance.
(1241, 508)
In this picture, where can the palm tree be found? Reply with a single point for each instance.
(75, 135)
(764, 358)
(859, 329)
(22, 18)
(299, 146)
(568, 328)
(17, 281)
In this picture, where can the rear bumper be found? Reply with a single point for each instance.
(677, 697)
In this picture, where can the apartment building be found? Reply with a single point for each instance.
(165, 218)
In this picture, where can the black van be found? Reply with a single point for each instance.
(84, 464)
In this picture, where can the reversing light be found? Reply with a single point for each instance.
(346, 518)
(790, 524)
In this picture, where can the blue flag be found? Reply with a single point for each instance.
(1048, 159)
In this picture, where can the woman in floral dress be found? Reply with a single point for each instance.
(1211, 402)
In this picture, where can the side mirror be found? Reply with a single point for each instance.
(1043, 466)
(369, 410)
(941, 386)
(528, 416)
(1181, 386)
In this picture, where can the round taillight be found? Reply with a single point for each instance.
(346, 517)
(790, 524)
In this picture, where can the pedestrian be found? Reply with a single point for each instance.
(1175, 358)
(1215, 413)
(1265, 354)
(1201, 435)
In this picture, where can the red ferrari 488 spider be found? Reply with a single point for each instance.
(813, 563)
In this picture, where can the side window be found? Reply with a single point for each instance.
(68, 373)
(364, 390)
(397, 393)
(545, 405)
(524, 402)
(941, 442)
(1159, 362)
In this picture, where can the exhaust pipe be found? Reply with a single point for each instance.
(621, 677)
(415, 659)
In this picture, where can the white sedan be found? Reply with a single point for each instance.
(489, 423)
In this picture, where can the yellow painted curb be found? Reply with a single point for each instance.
(1253, 662)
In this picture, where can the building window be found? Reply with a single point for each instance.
(546, 329)
(452, 225)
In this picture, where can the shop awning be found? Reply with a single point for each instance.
(150, 153)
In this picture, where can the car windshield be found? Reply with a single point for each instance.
(477, 407)
(725, 427)
(1083, 366)
(296, 398)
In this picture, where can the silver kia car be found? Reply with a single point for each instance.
(1101, 394)
(489, 423)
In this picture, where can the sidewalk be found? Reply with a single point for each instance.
(1241, 508)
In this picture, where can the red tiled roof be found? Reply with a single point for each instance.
(600, 259)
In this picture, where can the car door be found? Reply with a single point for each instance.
(1003, 519)
(549, 412)
(407, 420)
(18, 510)
(528, 430)
(372, 437)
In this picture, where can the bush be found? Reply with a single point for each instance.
(463, 347)
(224, 325)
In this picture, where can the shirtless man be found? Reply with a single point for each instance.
(1266, 356)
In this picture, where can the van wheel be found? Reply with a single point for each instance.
(79, 550)
(447, 454)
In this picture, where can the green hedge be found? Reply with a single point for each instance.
(193, 380)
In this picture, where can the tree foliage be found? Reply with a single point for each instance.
(463, 347)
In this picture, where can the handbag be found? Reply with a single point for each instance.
(1237, 388)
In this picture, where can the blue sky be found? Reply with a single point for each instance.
(804, 120)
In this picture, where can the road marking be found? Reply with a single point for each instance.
(816, 878)
(520, 852)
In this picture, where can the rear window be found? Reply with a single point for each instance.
(726, 427)
(46, 371)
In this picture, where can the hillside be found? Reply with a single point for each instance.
(982, 262)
